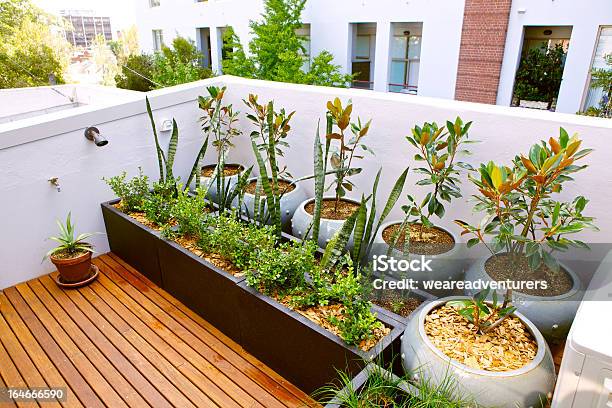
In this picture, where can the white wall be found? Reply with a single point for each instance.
(53, 145)
(584, 16)
(34, 150)
(329, 27)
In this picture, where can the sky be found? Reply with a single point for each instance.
(121, 12)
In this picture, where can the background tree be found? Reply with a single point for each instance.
(539, 75)
(30, 52)
(276, 52)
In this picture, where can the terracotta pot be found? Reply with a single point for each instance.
(73, 270)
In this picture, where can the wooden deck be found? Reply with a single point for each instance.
(124, 342)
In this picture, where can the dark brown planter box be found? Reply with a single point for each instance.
(207, 290)
(132, 241)
(300, 350)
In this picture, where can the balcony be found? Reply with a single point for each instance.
(124, 340)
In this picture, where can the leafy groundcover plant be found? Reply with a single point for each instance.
(278, 269)
(383, 389)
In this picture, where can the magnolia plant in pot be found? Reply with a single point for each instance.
(72, 257)
(438, 148)
(273, 197)
(528, 226)
(321, 217)
(495, 353)
(219, 122)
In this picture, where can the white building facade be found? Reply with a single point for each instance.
(454, 49)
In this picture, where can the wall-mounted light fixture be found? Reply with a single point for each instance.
(547, 32)
(166, 125)
(93, 134)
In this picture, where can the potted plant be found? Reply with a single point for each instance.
(438, 148)
(493, 352)
(272, 197)
(72, 257)
(321, 217)
(527, 226)
(539, 77)
(219, 122)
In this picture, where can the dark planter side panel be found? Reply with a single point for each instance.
(133, 242)
(202, 287)
(301, 351)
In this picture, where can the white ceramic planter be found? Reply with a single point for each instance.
(212, 191)
(552, 315)
(302, 220)
(289, 202)
(525, 387)
(449, 266)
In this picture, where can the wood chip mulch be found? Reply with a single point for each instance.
(220, 262)
(508, 347)
(321, 315)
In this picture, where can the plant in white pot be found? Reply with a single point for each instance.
(492, 351)
(219, 122)
(417, 234)
(321, 217)
(527, 226)
(272, 197)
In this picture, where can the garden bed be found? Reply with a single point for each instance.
(133, 241)
(302, 351)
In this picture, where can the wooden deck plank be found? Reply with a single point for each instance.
(133, 364)
(8, 404)
(170, 314)
(184, 346)
(229, 349)
(47, 369)
(22, 361)
(108, 360)
(81, 360)
(139, 352)
(178, 370)
(11, 376)
(124, 342)
(70, 373)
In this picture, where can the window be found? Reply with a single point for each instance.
(304, 34)
(158, 40)
(154, 3)
(405, 61)
(596, 96)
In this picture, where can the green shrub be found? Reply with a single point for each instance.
(134, 73)
(190, 213)
(281, 268)
(132, 193)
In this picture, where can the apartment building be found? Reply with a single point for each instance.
(456, 49)
(84, 26)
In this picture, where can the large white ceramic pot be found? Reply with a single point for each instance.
(552, 315)
(527, 386)
(448, 266)
(229, 181)
(289, 202)
(302, 221)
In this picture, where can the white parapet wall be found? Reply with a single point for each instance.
(36, 149)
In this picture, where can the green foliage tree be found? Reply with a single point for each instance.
(134, 73)
(276, 52)
(174, 65)
(179, 64)
(539, 75)
(30, 52)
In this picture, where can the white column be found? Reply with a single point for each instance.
(216, 45)
(381, 56)
(577, 67)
